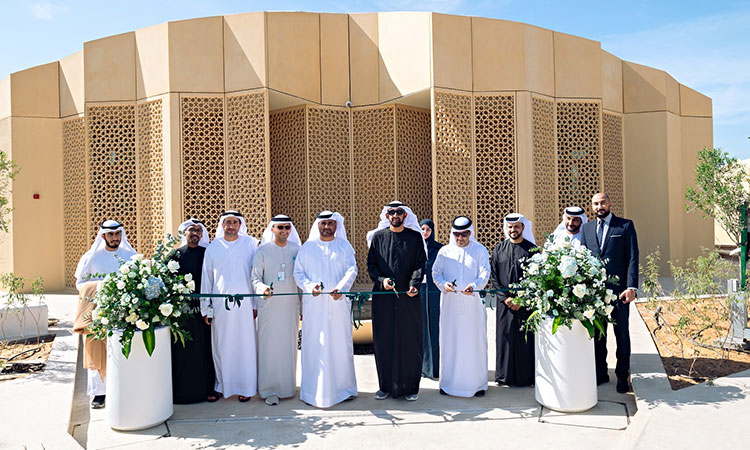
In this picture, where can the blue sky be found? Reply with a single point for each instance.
(702, 44)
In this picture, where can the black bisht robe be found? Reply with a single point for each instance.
(514, 363)
(193, 373)
(397, 324)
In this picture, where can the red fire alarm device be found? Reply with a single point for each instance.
(36, 196)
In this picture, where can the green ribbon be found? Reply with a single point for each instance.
(357, 298)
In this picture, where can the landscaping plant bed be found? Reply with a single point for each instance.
(689, 334)
(23, 357)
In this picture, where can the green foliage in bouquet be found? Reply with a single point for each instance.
(565, 282)
(142, 295)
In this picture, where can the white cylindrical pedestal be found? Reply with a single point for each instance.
(565, 370)
(139, 388)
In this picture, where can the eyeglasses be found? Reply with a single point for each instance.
(461, 233)
(284, 227)
(396, 212)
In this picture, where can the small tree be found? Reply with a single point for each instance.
(722, 184)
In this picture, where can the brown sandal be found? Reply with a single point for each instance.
(213, 397)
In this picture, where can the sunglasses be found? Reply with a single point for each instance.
(461, 233)
(284, 227)
(396, 212)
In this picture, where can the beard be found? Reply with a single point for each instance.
(327, 232)
(601, 214)
(573, 228)
(112, 245)
(514, 234)
(396, 221)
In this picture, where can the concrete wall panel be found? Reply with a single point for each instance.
(334, 59)
(245, 51)
(539, 55)
(646, 140)
(578, 67)
(451, 52)
(499, 61)
(38, 222)
(152, 61)
(109, 69)
(646, 89)
(696, 133)
(71, 85)
(404, 48)
(692, 103)
(294, 54)
(363, 58)
(611, 82)
(196, 63)
(35, 92)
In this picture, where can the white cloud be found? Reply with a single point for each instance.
(709, 54)
(47, 10)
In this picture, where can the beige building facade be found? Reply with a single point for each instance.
(295, 112)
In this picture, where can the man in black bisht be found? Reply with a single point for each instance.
(431, 304)
(396, 262)
(193, 373)
(514, 350)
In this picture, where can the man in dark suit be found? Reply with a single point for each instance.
(614, 239)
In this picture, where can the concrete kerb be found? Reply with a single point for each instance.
(649, 379)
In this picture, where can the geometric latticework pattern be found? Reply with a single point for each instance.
(203, 174)
(151, 206)
(75, 216)
(578, 152)
(612, 177)
(453, 160)
(112, 170)
(246, 159)
(373, 174)
(414, 159)
(495, 141)
(329, 160)
(289, 166)
(546, 215)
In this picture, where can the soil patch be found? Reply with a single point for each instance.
(688, 334)
(22, 358)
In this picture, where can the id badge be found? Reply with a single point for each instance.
(281, 276)
(210, 312)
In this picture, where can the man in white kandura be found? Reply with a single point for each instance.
(326, 263)
(109, 248)
(573, 218)
(461, 269)
(278, 316)
(227, 266)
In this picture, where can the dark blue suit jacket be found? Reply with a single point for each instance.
(620, 250)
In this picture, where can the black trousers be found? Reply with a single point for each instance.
(620, 315)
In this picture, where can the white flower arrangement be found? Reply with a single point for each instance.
(565, 282)
(143, 294)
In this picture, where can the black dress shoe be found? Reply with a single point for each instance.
(479, 394)
(442, 392)
(623, 386)
(97, 402)
(601, 380)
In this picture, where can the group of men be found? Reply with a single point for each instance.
(296, 281)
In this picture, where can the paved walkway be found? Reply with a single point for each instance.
(655, 417)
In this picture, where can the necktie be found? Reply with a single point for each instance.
(600, 233)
